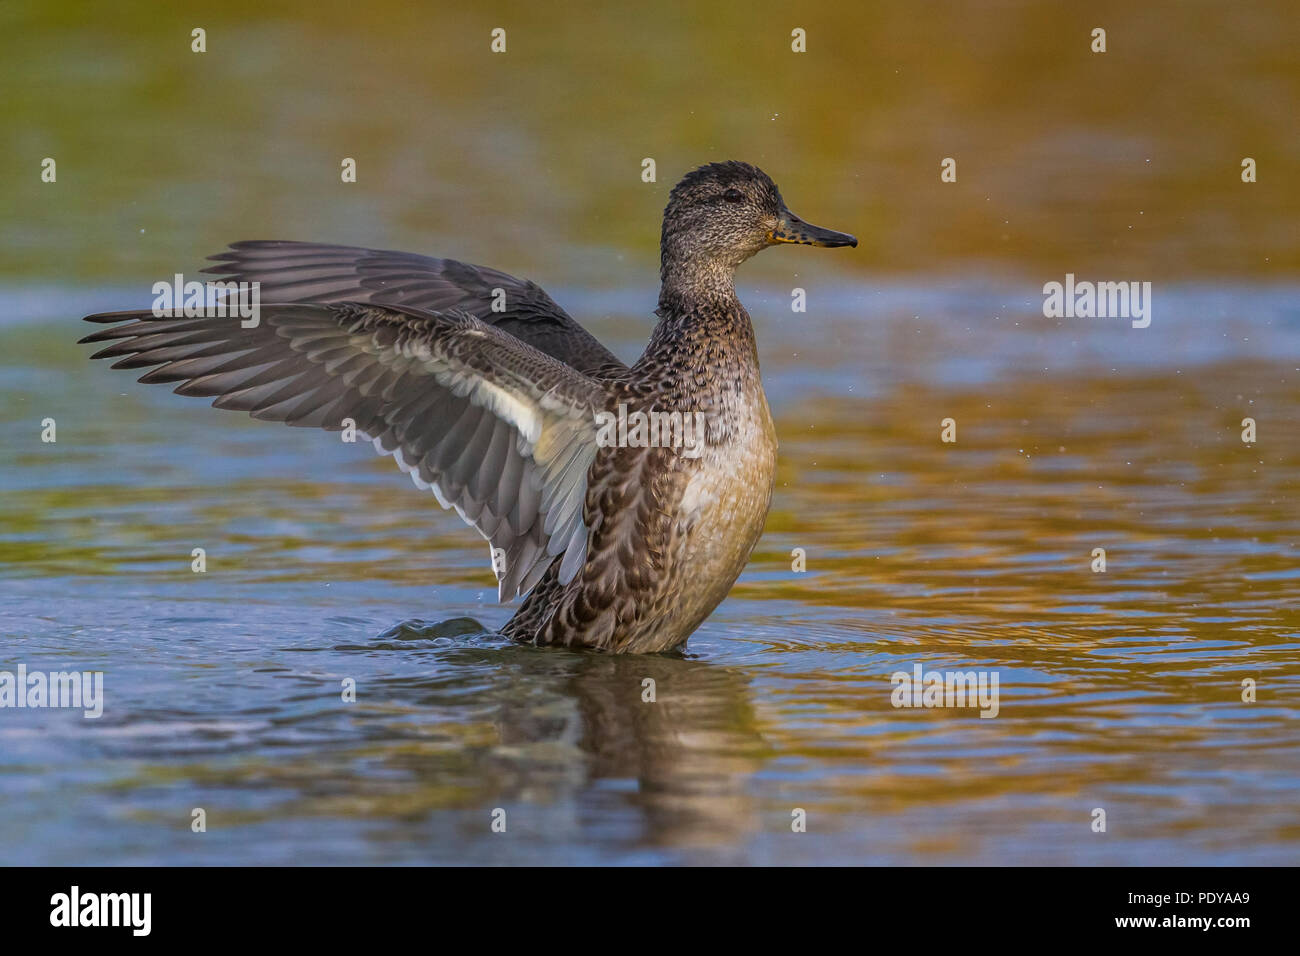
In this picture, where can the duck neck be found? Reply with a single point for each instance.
(702, 326)
(695, 279)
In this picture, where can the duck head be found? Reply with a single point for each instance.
(721, 214)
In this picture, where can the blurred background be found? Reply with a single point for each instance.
(1118, 163)
(1120, 690)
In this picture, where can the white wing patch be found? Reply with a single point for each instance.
(560, 453)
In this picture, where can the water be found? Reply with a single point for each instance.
(1119, 690)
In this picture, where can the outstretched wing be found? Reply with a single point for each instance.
(499, 430)
(315, 272)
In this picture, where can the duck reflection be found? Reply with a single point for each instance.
(676, 739)
(587, 748)
(650, 750)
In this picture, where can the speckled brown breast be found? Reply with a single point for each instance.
(669, 534)
(720, 516)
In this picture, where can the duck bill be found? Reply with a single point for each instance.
(791, 228)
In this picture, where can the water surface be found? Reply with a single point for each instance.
(1118, 690)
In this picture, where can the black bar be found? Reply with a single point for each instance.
(334, 905)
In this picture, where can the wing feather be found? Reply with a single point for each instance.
(499, 430)
(317, 272)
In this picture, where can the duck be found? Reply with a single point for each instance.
(491, 396)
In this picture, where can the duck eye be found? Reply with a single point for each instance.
(733, 195)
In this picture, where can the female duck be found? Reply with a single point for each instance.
(621, 545)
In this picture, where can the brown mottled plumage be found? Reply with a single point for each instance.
(617, 548)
